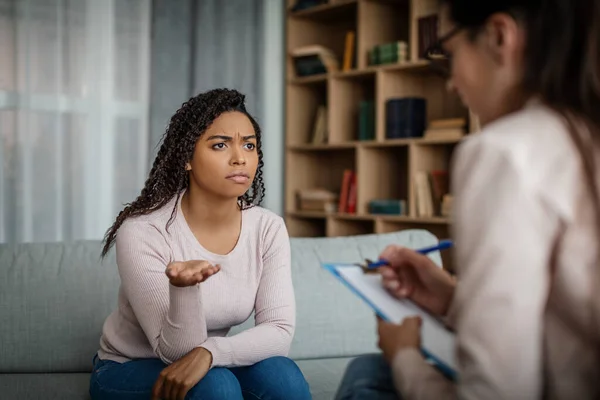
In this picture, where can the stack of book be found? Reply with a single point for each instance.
(446, 129)
(317, 199)
(314, 60)
(389, 53)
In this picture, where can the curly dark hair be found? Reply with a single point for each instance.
(168, 176)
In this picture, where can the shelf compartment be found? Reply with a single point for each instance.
(327, 27)
(401, 83)
(382, 174)
(349, 227)
(316, 169)
(381, 22)
(306, 227)
(426, 158)
(301, 110)
(418, 9)
(346, 93)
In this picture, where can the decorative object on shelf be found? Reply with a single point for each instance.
(440, 186)
(306, 4)
(446, 205)
(427, 28)
(349, 51)
(319, 133)
(388, 53)
(405, 117)
(317, 200)
(388, 207)
(446, 129)
(314, 60)
(347, 199)
(366, 120)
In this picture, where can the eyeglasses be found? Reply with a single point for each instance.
(438, 58)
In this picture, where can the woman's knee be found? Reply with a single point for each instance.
(276, 377)
(218, 383)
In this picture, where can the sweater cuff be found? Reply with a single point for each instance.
(222, 355)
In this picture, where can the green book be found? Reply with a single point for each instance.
(366, 120)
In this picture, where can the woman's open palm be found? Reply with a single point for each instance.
(189, 273)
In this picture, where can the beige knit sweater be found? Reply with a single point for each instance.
(154, 319)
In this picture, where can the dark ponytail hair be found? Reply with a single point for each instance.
(168, 177)
(562, 68)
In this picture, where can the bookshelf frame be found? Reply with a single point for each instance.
(384, 167)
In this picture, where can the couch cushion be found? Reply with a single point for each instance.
(331, 321)
(45, 386)
(53, 301)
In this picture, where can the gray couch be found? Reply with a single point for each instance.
(54, 299)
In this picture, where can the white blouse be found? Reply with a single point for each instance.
(521, 210)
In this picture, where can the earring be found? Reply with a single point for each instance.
(188, 167)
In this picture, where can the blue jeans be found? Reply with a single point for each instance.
(273, 378)
(367, 377)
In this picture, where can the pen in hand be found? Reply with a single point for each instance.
(442, 245)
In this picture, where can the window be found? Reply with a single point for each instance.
(73, 115)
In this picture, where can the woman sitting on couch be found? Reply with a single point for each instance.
(196, 256)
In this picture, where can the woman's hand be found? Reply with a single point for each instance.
(177, 379)
(415, 276)
(393, 338)
(189, 273)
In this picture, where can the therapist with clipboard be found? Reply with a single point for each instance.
(525, 307)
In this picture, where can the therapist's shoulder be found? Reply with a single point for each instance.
(532, 140)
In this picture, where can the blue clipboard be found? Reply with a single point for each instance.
(443, 367)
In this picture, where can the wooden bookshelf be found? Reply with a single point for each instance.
(384, 167)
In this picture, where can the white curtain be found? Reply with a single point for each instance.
(73, 115)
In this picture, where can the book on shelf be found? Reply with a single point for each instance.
(427, 33)
(349, 51)
(446, 129)
(430, 189)
(320, 134)
(388, 53)
(366, 120)
(313, 60)
(347, 199)
(388, 207)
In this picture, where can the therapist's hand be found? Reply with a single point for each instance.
(393, 338)
(415, 276)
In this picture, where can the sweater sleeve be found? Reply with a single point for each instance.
(170, 316)
(274, 309)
